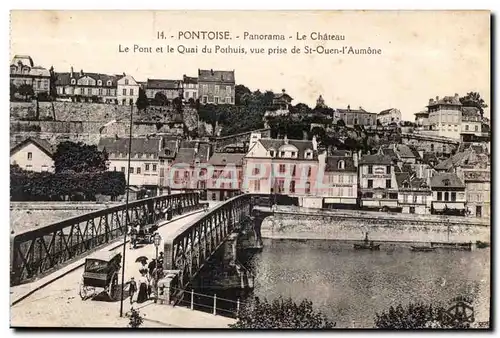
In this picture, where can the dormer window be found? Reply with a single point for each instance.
(272, 153)
(282, 154)
(109, 83)
(73, 81)
(99, 82)
(446, 182)
(406, 184)
(341, 165)
(308, 154)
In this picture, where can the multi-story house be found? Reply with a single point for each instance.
(388, 116)
(227, 176)
(354, 117)
(422, 119)
(445, 116)
(159, 89)
(414, 194)
(23, 71)
(127, 90)
(377, 182)
(33, 154)
(87, 87)
(216, 86)
(340, 181)
(284, 166)
(472, 125)
(144, 161)
(190, 86)
(187, 171)
(448, 194)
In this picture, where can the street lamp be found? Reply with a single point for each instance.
(157, 242)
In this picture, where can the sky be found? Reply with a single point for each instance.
(424, 53)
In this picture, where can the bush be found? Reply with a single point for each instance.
(281, 314)
(136, 319)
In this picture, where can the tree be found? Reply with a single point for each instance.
(13, 91)
(79, 157)
(341, 123)
(53, 81)
(160, 99)
(281, 314)
(26, 90)
(418, 316)
(473, 99)
(142, 100)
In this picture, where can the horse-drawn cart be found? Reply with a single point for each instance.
(100, 275)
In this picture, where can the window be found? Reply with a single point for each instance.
(415, 199)
(368, 195)
(282, 168)
(131, 102)
(205, 88)
(282, 154)
(124, 91)
(216, 98)
(446, 196)
(388, 184)
(154, 167)
(131, 91)
(292, 186)
(392, 196)
(476, 128)
(124, 102)
(257, 185)
(412, 210)
(256, 171)
(308, 154)
(341, 165)
(446, 182)
(405, 198)
(370, 183)
(147, 167)
(29, 167)
(341, 191)
(73, 81)
(131, 170)
(45, 168)
(30, 156)
(466, 127)
(308, 188)
(114, 168)
(228, 90)
(204, 99)
(440, 196)
(432, 146)
(370, 169)
(294, 154)
(99, 83)
(444, 148)
(109, 83)
(228, 100)
(123, 169)
(350, 192)
(388, 169)
(186, 174)
(271, 152)
(126, 82)
(138, 170)
(216, 89)
(351, 179)
(309, 171)
(341, 179)
(453, 196)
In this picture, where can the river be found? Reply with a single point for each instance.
(351, 286)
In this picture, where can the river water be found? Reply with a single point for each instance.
(350, 286)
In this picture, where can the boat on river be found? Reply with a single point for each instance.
(371, 247)
(453, 246)
(423, 248)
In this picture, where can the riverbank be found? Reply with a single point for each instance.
(301, 223)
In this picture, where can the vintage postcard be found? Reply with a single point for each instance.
(250, 169)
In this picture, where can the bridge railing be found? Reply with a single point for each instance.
(43, 250)
(192, 245)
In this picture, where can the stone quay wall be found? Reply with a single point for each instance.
(352, 226)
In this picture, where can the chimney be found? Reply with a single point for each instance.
(71, 72)
(285, 139)
(304, 135)
(437, 98)
(315, 143)
(283, 91)
(456, 95)
(212, 72)
(355, 159)
(81, 72)
(124, 74)
(348, 107)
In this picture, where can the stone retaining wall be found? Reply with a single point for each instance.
(352, 227)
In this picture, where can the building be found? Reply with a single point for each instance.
(445, 116)
(162, 90)
(282, 101)
(422, 119)
(448, 194)
(33, 154)
(284, 166)
(144, 161)
(472, 126)
(23, 71)
(388, 116)
(190, 86)
(354, 117)
(320, 102)
(127, 90)
(87, 87)
(216, 86)
(414, 194)
(227, 177)
(187, 171)
(341, 178)
(377, 182)
(439, 145)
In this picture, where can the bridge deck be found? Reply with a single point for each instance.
(58, 303)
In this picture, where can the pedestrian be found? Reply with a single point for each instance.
(132, 289)
(133, 237)
(160, 260)
(142, 295)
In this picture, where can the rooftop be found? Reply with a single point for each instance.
(222, 159)
(211, 75)
(332, 164)
(447, 100)
(162, 84)
(376, 159)
(407, 180)
(139, 145)
(64, 79)
(301, 145)
(446, 180)
(42, 144)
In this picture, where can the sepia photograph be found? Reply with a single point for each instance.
(245, 170)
